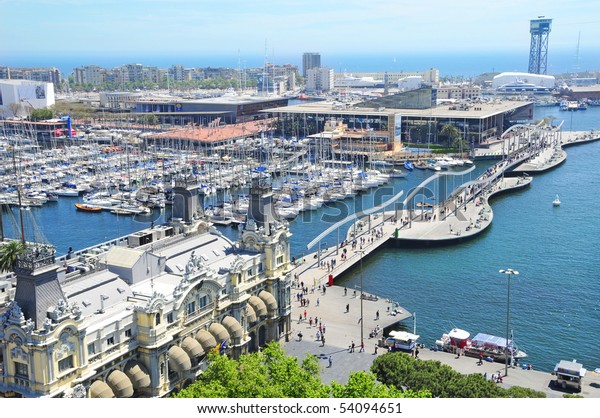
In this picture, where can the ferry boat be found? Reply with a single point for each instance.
(490, 346)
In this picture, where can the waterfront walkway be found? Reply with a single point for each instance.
(466, 213)
(342, 328)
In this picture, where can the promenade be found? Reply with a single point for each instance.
(342, 328)
(465, 214)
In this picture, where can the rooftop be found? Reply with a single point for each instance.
(475, 110)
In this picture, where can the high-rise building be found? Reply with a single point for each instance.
(319, 79)
(538, 52)
(310, 60)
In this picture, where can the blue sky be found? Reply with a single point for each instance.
(289, 27)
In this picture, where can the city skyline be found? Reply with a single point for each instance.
(290, 27)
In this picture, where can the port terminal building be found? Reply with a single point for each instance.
(390, 121)
(138, 317)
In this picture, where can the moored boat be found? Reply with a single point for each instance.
(490, 346)
(87, 207)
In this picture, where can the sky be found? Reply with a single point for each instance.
(281, 29)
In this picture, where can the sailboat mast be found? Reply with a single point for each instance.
(19, 196)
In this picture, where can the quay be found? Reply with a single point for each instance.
(465, 214)
(342, 328)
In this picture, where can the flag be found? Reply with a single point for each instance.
(222, 346)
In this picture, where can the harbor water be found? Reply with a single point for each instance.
(554, 302)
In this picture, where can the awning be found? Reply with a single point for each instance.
(259, 306)
(268, 299)
(250, 314)
(179, 360)
(99, 389)
(138, 374)
(120, 384)
(192, 347)
(206, 340)
(219, 332)
(233, 327)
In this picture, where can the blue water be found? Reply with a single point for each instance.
(466, 64)
(555, 301)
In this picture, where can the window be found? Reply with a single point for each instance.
(21, 370)
(170, 317)
(91, 349)
(191, 307)
(260, 268)
(128, 333)
(249, 273)
(65, 364)
(203, 301)
(157, 319)
(110, 340)
(280, 259)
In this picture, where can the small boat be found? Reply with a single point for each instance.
(395, 173)
(87, 208)
(120, 211)
(408, 165)
(556, 201)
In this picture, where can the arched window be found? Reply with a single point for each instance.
(157, 319)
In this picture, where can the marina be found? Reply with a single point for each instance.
(356, 258)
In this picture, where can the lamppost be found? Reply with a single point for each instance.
(361, 297)
(509, 273)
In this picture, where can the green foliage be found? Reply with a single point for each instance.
(40, 114)
(272, 374)
(266, 374)
(9, 253)
(570, 395)
(520, 392)
(364, 385)
(406, 373)
(148, 120)
(75, 109)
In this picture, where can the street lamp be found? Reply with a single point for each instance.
(509, 273)
(361, 297)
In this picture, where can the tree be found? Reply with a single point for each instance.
(272, 374)
(450, 133)
(266, 374)
(406, 373)
(365, 385)
(41, 114)
(9, 253)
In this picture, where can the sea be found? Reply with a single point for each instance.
(554, 301)
(467, 64)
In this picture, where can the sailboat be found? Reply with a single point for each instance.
(556, 201)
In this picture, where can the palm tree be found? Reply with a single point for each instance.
(9, 253)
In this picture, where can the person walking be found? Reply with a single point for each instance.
(322, 340)
(480, 362)
(362, 346)
(330, 362)
(352, 347)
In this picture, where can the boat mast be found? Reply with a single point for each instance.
(19, 195)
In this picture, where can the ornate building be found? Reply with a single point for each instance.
(142, 320)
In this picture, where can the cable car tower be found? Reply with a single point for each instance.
(538, 52)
